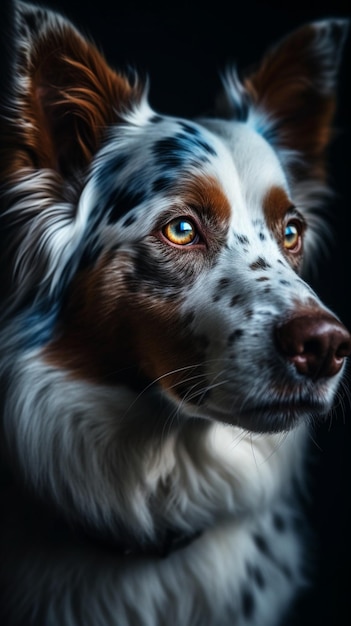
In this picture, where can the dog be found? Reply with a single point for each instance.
(163, 357)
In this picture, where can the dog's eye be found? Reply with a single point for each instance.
(181, 231)
(292, 236)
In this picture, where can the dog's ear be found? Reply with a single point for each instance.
(66, 96)
(290, 96)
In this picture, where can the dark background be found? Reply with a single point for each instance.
(183, 47)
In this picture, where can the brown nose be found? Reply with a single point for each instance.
(315, 344)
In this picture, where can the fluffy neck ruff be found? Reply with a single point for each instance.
(129, 467)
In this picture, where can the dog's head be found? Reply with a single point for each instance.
(159, 253)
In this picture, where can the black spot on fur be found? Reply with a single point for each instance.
(235, 300)
(264, 548)
(279, 522)
(184, 148)
(123, 201)
(235, 335)
(284, 282)
(260, 264)
(162, 183)
(191, 130)
(261, 544)
(168, 153)
(258, 577)
(129, 220)
(262, 236)
(242, 239)
(223, 283)
(262, 278)
(248, 603)
(111, 168)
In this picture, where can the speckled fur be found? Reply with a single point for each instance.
(144, 392)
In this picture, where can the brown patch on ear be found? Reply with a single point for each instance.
(79, 96)
(295, 85)
(69, 97)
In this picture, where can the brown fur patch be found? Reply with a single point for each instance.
(206, 194)
(93, 341)
(111, 333)
(275, 206)
(283, 86)
(72, 95)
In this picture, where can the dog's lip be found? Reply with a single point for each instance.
(310, 404)
(289, 409)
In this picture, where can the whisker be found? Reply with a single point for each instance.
(161, 377)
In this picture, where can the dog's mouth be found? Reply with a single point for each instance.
(276, 404)
(282, 416)
(269, 416)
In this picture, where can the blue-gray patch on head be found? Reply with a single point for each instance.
(198, 138)
(110, 169)
(187, 147)
(122, 201)
(162, 183)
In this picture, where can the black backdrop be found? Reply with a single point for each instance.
(183, 46)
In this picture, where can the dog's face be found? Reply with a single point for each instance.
(198, 249)
(176, 245)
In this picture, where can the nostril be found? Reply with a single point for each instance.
(315, 344)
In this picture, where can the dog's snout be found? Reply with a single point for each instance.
(315, 344)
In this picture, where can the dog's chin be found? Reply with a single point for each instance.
(268, 418)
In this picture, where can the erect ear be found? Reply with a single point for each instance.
(291, 94)
(66, 95)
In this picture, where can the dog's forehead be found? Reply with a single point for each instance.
(156, 153)
(142, 166)
(256, 163)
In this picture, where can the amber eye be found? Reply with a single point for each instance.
(181, 231)
(292, 236)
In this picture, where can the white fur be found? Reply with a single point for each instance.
(104, 471)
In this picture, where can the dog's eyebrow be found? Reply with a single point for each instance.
(276, 203)
(205, 192)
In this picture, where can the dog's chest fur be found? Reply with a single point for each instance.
(246, 559)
